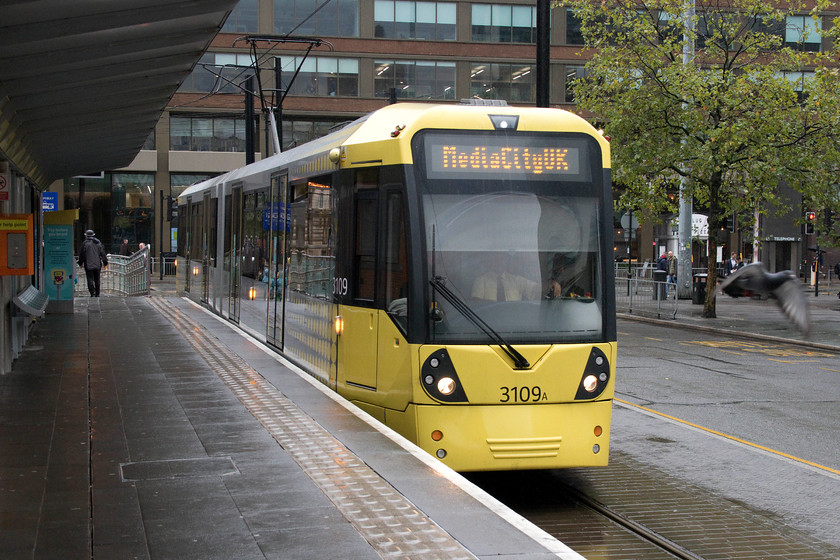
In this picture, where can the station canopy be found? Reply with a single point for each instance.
(83, 82)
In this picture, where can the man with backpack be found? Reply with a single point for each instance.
(92, 257)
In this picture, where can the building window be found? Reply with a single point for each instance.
(207, 134)
(419, 79)
(131, 202)
(574, 35)
(232, 68)
(116, 206)
(243, 18)
(400, 19)
(511, 82)
(299, 131)
(803, 33)
(573, 73)
(340, 18)
(800, 81)
(502, 23)
(322, 76)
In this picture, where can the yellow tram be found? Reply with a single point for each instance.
(447, 268)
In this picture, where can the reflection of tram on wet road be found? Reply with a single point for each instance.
(445, 268)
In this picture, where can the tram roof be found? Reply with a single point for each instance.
(83, 83)
(405, 119)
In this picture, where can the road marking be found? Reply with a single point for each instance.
(656, 339)
(829, 369)
(794, 361)
(776, 350)
(729, 437)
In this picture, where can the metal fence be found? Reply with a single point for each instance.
(124, 276)
(646, 297)
(169, 265)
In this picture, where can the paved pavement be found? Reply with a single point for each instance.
(146, 428)
(761, 319)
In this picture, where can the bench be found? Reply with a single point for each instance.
(32, 301)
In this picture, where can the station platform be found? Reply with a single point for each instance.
(144, 427)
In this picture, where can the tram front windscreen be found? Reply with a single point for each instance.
(519, 249)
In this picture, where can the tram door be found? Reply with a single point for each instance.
(278, 199)
(186, 227)
(359, 341)
(204, 216)
(234, 242)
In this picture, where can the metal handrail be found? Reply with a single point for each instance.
(125, 276)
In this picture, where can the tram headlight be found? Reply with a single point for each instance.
(446, 385)
(595, 376)
(440, 380)
(590, 383)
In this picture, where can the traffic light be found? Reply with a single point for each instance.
(171, 208)
(729, 223)
(810, 218)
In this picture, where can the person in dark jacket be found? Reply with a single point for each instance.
(124, 250)
(92, 257)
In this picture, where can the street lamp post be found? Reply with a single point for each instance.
(684, 262)
(543, 53)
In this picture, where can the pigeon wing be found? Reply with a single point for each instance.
(793, 303)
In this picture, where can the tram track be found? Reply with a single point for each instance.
(643, 532)
(631, 511)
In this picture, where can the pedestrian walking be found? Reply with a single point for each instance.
(92, 258)
(731, 265)
(672, 273)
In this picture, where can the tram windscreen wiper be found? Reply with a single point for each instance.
(519, 360)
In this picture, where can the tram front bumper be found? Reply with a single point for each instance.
(511, 437)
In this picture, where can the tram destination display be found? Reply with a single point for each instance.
(540, 158)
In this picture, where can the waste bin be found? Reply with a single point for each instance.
(660, 277)
(698, 288)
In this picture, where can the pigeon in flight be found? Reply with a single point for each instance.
(784, 287)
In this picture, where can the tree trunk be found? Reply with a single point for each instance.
(715, 221)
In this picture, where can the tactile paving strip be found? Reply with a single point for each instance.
(384, 517)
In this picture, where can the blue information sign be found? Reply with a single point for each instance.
(49, 201)
(275, 217)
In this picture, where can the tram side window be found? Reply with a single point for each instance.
(212, 234)
(227, 233)
(297, 241)
(396, 260)
(252, 239)
(311, 252)
(181, 248)
(195, 230)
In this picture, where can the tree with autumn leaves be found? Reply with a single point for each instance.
(751, 106)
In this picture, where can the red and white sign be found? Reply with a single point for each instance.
(4, 184)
